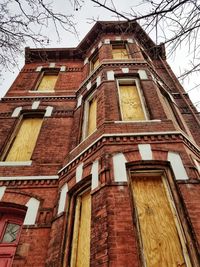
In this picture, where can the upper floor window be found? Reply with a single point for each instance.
(94, 63)
(119, 51)
(131, 102)
(24, 139)
(47, 82)
(90, 116)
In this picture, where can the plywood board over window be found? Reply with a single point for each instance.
(80, 254)
(162, 241)
(119, 52)
(25, 140)
(47, 82)
(132, 108)
(95, 62)
(92, 116)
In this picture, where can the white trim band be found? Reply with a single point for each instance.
(22, 178)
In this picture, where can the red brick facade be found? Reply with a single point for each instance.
(63, 157)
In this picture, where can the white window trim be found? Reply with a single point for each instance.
(133, 81)
(85, 116)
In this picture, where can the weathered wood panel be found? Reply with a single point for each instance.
(92, 116)
(25, 140)
(83, 250)
(131, 106)
(159, 236)
(47, 83)
(75, 233)
(119, 53)
(96, 63)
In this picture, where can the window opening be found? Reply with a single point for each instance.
(131, 104)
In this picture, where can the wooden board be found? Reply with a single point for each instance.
(96, 63)
(130, 103)
(159, 236)
(47, 83)
(25, 140)
(119, 53)
(75, 233)
(83, 250)
(92, 116)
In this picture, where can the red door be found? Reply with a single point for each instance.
(10, 227)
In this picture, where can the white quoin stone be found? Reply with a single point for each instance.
(119, 162)
(107, 41)
(63, 68)
(62, 199)
(38, 69)
(177, 166)
(86, 61)
(143, 74)
(98, 80)
(2, 191)
(35, 104)
(110, 75)
(48, 112)
(52, 65)
(79, 102)
(16, 112)
(145, 151)
(31, 214)
(79, 172)
(89, 85)
(95, 174)
(125, 70)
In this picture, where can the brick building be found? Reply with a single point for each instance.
(99, 148)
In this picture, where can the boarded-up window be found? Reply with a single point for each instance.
(119, 52)
(80, 254)
(130, 102)
(92, 116)
(47, 82)
(95, 62)
(161, 237)
(25, 140)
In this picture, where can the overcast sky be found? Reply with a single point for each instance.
(85, 19)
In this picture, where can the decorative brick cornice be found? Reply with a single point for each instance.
(37, 98)
(29, 183)
(5, 114)
(128, 138)
(63, 113)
